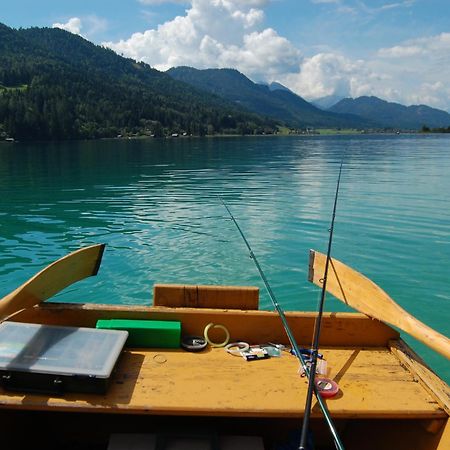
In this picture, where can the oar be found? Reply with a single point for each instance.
(362, 294)
(73, 267)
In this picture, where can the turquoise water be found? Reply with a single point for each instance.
(155, 204)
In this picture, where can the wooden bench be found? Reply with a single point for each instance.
(198, 296)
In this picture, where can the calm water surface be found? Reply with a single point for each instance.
(155, 203)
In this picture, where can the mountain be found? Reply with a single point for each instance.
(393, 115)
(274, 86)
(280, 104)
(57, 85)
(327, 102)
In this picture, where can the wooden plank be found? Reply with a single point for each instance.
(338, 329)
(444, 441)
(362, 294)
(374, 384)
(215, 383)
(437, 387)
(198, 296)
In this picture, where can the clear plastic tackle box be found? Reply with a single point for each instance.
(55, 359)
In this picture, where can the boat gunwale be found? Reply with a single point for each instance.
(339, 328)
(388, 339)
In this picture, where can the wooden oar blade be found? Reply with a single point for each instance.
(352, 288)
(55, 277)
(362, 294)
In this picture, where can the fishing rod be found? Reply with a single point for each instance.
(288, 331)
(317, 328)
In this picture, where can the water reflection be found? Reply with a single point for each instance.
(155, 204)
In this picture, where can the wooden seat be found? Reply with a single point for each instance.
(197, 296)
(215, 383)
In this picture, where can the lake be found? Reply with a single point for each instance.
(155, 203)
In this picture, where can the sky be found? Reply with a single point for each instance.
(398, 50)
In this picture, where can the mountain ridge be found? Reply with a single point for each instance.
(57, 85)
(390, 114)
(276, 103)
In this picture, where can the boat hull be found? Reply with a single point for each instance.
(388, 398)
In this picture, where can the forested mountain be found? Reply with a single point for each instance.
(262, 99)
(393, 114)
(57, 85)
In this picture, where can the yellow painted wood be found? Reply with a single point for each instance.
(198, 296)
(419, 369)
(362, 294)
(380, 400)
(444, 439)
(338, 329)
(55, 277)
(213, 383)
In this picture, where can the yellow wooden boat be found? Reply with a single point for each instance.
(170, 398)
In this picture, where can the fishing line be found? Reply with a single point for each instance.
(202, 233)
(187, 218)
(162, 224)
(317, 328)
(289, 333)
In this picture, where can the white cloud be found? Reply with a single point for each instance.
(362, 7)
(409, 73)
(219, 33)
(400, 51)
(430, 94)
(91, 25)
(428, 47)
(73, 25)
(417, 68)
(231, 33)
(329, 74)
(404, 4)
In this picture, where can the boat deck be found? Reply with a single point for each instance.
(388, 398)
(372, 384)
(377, 375)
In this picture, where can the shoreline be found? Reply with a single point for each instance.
(221, 136)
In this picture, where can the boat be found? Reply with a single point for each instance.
(157, 398)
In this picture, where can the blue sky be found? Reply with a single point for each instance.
(398, 50)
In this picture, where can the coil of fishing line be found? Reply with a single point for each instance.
(327, 388)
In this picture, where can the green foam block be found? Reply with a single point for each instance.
(146, 333)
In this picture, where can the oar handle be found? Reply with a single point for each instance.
(427, 335)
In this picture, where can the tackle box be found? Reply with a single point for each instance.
(146, 333)
(55, 359)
